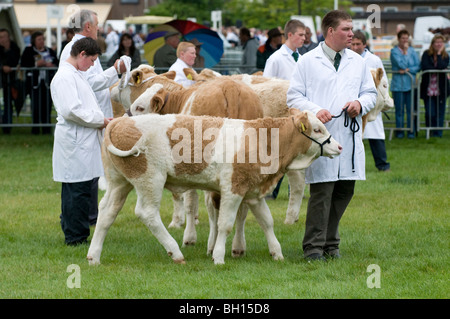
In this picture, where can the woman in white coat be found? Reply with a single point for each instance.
(326, 81)
(76, 150)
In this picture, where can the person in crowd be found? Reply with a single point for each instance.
(126, 47)
(167, 54)
(186, 58)
(282, 63)
(69, 36)
(199, 59)
(9, 58)
(112, 41)
(374, 131)
(249, 46)
(232, 36)
(329, 81)
(39, 56)
(405, 62)
(272, 44)
(435, 87)
(76, 158)
(308, 44)
(85, 24)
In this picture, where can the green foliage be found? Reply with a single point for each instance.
(262, 14)
(397, 220)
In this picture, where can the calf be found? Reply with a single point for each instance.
(178, 152)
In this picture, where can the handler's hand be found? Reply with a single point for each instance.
(324, 116)
(122, 66)
(106, 122)
(354, 108)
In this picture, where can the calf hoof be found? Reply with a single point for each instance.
(237, 253)
(92, 261)
(276, 256)
(179, 261)
(176, 224)
(219, 261)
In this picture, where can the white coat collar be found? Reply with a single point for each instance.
(321, 56)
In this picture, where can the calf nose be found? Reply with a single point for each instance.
(340, 148)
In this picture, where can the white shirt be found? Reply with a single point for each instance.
(76, 148)
(112, 43)
(99, 80)
(181, 78)
(316, 85)
(280, 64)
(374, 129)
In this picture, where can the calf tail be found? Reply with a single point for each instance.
(110, 146)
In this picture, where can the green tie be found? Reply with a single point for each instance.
(337, 60)
(295, 55)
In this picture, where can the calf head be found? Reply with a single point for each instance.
(384, 101)
(141, 78)
(151, 101)
(322, 143)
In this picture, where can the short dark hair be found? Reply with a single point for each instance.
(332, 19)
(35, 35)
(358, 34)
(88, 45)
(402, 32)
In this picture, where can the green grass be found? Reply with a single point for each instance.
(397, 220)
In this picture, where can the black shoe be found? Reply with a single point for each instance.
(315, 257)
(335, 255)
(77, 242)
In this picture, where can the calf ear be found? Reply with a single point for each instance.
(301, 122)
(190, 74)
(379, 74)
(136, 77)
(170, 75)
(157, 101)
(294, 111)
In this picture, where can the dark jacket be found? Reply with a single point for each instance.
(10, 58)
(427, 63)
(28, 60)
(263, 53)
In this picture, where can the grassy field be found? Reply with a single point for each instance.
(398, 221)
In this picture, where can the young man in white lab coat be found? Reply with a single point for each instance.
(85, 24)
(282, 62)
(77, 159)
(326, 81)
(374, 131)
(186, 55)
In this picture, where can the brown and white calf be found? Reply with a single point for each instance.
(241, 160)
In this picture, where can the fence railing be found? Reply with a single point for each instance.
(26, 101)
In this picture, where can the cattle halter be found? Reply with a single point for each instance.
(327, 141)
(354, 127)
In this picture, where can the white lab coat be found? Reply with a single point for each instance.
(180, 77)
(76, 148)
(374, 129)
(99, 80)
(316, 85)
(280, 64)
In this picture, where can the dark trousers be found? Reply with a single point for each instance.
(326, 205)
(378, 149)
(79, 205)
(41, 108)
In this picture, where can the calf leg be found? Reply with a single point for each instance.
(178, 211)
(109, 207)
(265, 220)
(238, 247)
(213, 214)
(229, 205)
(147, 209)
(297, 189)
(191, 208)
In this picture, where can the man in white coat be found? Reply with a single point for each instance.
(282, 62)
(332, 80)
(85, 24)
(374, 131)
(76, 151)
(186, 54)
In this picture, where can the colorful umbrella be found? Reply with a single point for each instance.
(211, 49)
